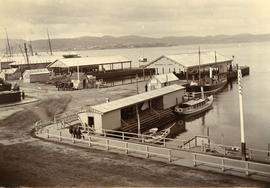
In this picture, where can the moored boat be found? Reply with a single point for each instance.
(195, 106)
(155, 136)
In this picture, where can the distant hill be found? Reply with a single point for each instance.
(131, 41)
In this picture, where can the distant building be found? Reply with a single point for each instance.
(36, 75)
(161, 80)
(113, 115)
(187, 66)
(90, 64)
(10, 74)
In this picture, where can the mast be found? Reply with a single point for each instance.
(9, 49)
(199, 65)
(49, 41)
(31, 48)
(25, 49)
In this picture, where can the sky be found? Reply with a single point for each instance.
(29, 19)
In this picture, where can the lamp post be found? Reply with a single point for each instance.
(243, 144)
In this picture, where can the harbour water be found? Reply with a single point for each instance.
(223, 119)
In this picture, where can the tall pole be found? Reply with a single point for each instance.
(25, 49)
(137, 84)
(138, 120)
(9, 49)
(199, 65)
(243, 144)
(49, 41)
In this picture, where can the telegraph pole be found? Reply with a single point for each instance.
(243, 144)
(49, 41)
(199, 65)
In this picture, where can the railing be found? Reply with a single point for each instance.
(227, 164)
(108, 144)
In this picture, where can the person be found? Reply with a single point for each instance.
(79, 133)
(23, 95)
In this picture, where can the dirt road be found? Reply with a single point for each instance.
(26, 161)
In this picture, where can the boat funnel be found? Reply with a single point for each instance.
(202, 92)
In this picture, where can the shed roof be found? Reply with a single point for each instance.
(38, 59)
(192, 59)
(36, 71)
(84, 61)
(163, 78)
(135, 99)
(9, 71)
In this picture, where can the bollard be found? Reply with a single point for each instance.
(48, 136)
(147, 151)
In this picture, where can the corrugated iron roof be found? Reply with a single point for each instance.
(84, 61)
(192, 59)
(135, 99)
(163, 78)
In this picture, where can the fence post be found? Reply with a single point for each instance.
(126, 145)
(250, 154)
(247, 168)
(107, 144)
(202, 146)
(164, 142)
(169, 155)
(222, 165)
(60, 136)
(194, 160)
(147, 151)
(123, 136)
(48, 136)
(142, 138)
(89, 141)
(195, 141)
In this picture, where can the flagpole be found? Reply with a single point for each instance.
(243, 144)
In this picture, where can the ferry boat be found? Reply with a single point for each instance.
(194, 106)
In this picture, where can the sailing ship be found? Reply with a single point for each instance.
(214, 84)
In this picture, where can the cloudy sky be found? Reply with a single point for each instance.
(28, 19)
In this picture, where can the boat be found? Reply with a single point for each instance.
(71, 55)
(143, 59)
(155, 136)
(194, 106)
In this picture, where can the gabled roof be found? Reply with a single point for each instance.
(84, 61)
(163, 78)
(135, 99)
(192, 59)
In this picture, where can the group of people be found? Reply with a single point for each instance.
(75, 131)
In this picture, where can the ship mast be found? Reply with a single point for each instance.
(199, 65)
(49, 41)
(9, 49)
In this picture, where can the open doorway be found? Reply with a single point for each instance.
(91, 121)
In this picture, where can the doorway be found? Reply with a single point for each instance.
(91, 121)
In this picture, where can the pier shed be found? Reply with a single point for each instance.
(187, 65)
(115, 114)
(36, 75)
(161, 80)
(90, 64)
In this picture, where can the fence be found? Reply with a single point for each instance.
(227, 164)
(109, 144)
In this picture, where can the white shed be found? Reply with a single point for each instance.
(159, 81)
(36, 75)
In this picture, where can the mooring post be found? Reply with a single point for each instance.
(48, 136)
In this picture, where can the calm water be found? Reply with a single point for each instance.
(223, 119)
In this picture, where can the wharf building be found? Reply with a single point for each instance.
(149, 109)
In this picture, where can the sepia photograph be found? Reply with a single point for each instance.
(128, 93)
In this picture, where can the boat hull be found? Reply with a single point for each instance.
(208, 89)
